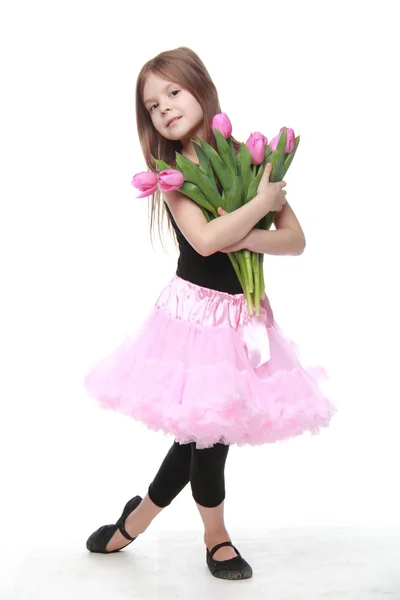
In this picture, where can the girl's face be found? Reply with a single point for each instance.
(175, 113)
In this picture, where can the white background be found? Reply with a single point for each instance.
(78, 271)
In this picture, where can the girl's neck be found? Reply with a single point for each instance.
(190, 155)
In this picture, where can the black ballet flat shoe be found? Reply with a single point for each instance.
(97, 542)
(233, 568)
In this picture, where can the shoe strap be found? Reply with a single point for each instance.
(130, 506)
(126, 535)
(221, 545)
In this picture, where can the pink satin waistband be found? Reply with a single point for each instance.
(184, 300)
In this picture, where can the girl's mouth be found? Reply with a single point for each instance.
(173, 121)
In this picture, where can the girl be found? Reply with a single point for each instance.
(193, 370)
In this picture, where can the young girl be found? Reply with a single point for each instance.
(193, 370)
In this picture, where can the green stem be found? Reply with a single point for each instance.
(262, 282)
(249, 301)
(257, 283)
(249, 270)
(245, 283)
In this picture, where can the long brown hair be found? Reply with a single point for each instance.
(184, 67)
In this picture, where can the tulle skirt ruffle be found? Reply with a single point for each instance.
(192, 371)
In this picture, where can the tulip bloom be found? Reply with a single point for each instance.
(170, 180)
(256, 145)
(290, 140)
(222, 123)
(146, 182)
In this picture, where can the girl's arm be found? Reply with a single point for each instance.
(208, 238)
(287, 239)
(279, 242)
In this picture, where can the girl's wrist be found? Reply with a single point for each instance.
(248, 240)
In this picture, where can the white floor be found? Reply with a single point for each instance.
(292, 564)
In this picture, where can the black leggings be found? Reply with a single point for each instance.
(203, 468)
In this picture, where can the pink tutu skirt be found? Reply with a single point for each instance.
(203, 371)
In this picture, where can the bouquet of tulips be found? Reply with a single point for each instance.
(238, 175)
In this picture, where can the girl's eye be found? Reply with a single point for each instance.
(173, 92)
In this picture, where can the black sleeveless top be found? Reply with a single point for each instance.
(214, 272)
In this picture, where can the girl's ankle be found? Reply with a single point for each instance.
(216, 537)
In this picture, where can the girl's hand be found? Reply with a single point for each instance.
(233, 247)
(273, 193)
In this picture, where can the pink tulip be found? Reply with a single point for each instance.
(290, 140)
(256, 145)
(146, 182)
(222, 123)
(273, 143)
(170, 180)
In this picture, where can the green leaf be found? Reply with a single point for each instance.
(233, 155)
(232, 196)
(282, 141)
(224, 175)
(206, 214)
(268, 151)
(238, 169)
(269, 219)
(204, 160)
(194, 193)
(244, 161)
(290, 156)
(253, 187)
(267, 154)
(163, 166)
(251, 177)
(277, 158)
(225, 151)
(193, 174)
